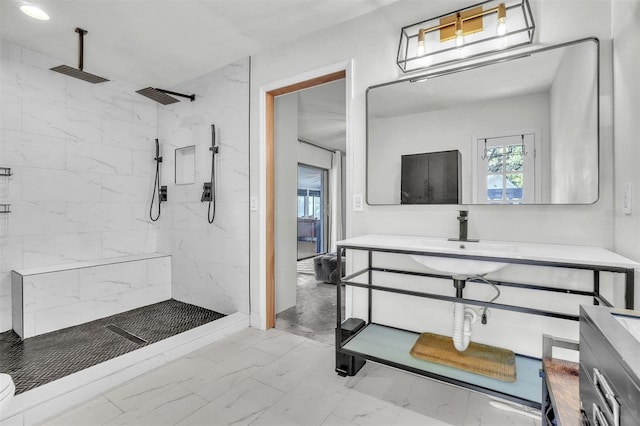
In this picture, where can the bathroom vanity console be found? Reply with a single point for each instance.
(391, 346)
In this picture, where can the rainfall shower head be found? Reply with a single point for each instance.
(78, 72)
(162, 96)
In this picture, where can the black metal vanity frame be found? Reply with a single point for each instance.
(341, 352)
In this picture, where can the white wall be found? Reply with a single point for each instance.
(371, 42)
(210, 262)
(574, 163)
(286, 200)
(443, 130)
(82, 158)
(626, 69)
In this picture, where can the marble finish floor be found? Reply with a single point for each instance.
(314, 315)
(276, 378)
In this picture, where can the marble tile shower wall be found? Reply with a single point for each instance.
(210, 262)
(82, 158)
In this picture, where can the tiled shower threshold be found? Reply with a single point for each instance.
(182, 334)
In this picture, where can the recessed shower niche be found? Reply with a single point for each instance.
(185, 165)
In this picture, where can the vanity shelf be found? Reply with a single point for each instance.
(391, 346)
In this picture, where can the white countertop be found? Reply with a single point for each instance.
(87, 264)
(558, 253)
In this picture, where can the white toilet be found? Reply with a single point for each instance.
(7, 389)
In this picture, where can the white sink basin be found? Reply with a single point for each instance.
(462, 268)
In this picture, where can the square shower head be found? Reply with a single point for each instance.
(76, 73)
(157, 95)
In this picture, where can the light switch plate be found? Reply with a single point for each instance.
(253, 204)
(357, 202)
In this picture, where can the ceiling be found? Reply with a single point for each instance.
(165, 42)
(322, 115)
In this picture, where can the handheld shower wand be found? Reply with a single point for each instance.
(209, 188)
(156, 185)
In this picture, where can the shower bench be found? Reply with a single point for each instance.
(50, 298)
(382, 341)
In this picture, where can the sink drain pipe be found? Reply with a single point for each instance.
(463, 317)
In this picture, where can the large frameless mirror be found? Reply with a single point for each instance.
(518, 130)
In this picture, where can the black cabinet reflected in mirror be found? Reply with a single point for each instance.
(431, 178)
(526, 127)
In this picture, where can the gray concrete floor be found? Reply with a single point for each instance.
(314, 315)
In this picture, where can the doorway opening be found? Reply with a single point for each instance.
(312, 226)
(319, 165)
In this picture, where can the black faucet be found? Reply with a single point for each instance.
(463, 218)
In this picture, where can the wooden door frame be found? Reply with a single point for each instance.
(270, 181)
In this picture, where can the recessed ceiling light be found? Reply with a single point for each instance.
(33, 11)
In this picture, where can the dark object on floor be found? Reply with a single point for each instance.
(42, 359)
(325, 267)
(350, 327)
(490, 361)
(349, 365)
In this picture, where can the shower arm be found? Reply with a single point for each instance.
(81, 34)
(169, 92)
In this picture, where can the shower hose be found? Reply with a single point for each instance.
(156, 189)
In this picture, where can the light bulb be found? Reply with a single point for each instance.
(420, 48)
(459, 39)
(502, 26)
(459, 31)
(33, 11)
(502, 20)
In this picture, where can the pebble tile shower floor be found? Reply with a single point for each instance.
(51, 356)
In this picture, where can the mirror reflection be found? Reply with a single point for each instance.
(516, 131)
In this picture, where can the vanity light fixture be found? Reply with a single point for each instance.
(33, 11)
(467, 33)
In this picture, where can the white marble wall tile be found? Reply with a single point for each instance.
(10, 253)
(112, 279)
(140, 215)
(40, 250)
(96, 158)
(159, 271)
(37, 218)
(38, 60)
(59, 317)
(11, 187)
(129, 189)
(6, 319)
(89, 217)
(10, 112)
(60, 185)
(99, 99)
(122, 243)
(52, 120)
(145, 112)
(143, 164)
(28, 150)
(130, 135)
(35, 83)
(143, 297)
(44, 291)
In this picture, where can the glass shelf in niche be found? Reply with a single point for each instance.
(185, 165)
